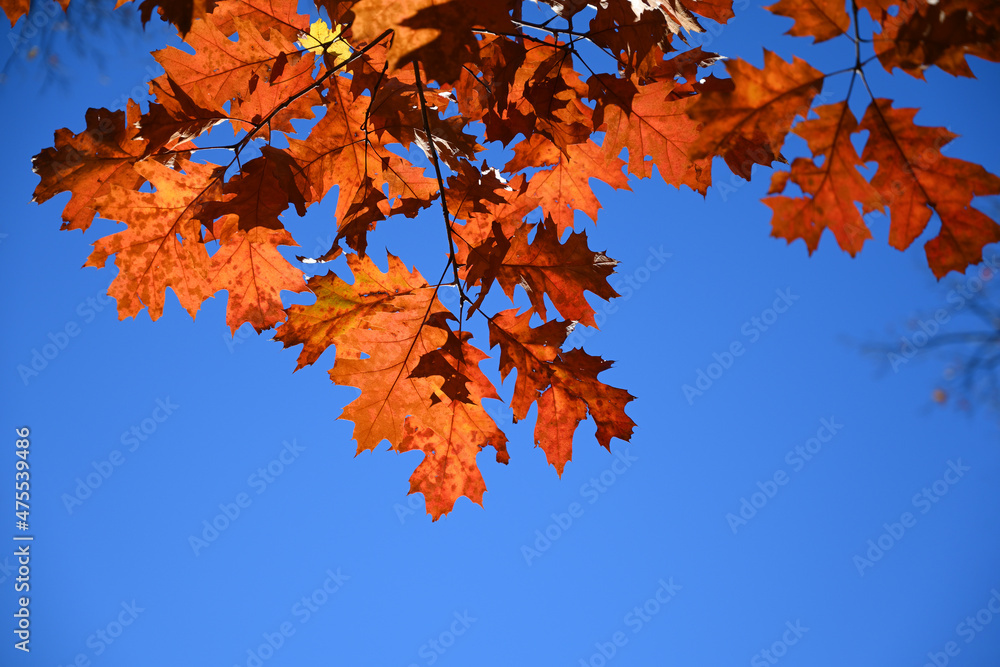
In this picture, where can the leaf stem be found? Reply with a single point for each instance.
(440, 179)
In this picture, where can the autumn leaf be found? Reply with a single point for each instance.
(221, 70)
(397, 316)
(254, 198)
(89, 164)
(915, 180)
(15, 9)
(454, 429)
(419, 31)
(321, 39)
(564, 384)
(562, 272)
(179, 12)
(272, 104)
(657, 131)
(758, 110)
(833, 183)
(176, 117)
(941, 34)
(565, 187)
(249, 267)
(280, 15)
(819, 19)
(162, 246)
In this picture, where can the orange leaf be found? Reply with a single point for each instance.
(564, 384)
(565, 188)
(181, 13)
(759, 109)
(819, 19)
(280, 15)
(221, 69)
(256, 196)
(162, 246)
(438, 34)
(915, 180)
(834, 186)
(452, 431)
(942, 34)
(657, 131)
(385, 326)
(562, 272)
(90, 164)
(249, 267)
(15, 9)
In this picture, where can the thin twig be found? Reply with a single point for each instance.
(440, 178)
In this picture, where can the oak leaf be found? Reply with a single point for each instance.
(249, 267)
(439, 34)
(221, 69)
(819, 19)
(915, 180)
(163, 245)
(759, 109)
(657, 131)
(91, 163)
(941, 34)
(565, 188)
(833, 186)
(564, 384)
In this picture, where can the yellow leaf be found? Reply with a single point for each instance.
(321, 36)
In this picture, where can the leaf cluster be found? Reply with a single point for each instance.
(570, 87)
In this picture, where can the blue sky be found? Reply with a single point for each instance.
(628, 560)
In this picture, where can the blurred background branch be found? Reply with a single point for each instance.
(89, 29)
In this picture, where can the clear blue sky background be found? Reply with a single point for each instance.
(406, 581)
